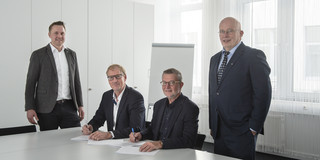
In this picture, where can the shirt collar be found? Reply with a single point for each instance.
(120, 96)
(54, 49)
(232, 50)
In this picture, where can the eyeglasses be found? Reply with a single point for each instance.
(117, 76)
(170, 83)
(229, 31)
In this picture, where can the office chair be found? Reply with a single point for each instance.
(17, 130)
(199, 141)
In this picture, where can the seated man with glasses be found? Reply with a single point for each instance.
(175, 118)
(122, 108)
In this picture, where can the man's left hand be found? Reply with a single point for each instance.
(98, 135)
(150, 146)
(81, 112)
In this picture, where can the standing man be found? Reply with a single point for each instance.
(175, 118)
(122, 107)
(239, 93)
(53, 91)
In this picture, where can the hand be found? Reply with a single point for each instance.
(87, 129)
(150, 146)
(135, 137)
(98, 135)
(81, 112)
(253, 132)
(30, 114)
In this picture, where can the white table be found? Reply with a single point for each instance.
(56, 145)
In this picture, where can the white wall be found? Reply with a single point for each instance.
(102, 32)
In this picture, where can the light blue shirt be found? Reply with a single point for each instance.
(230, 54)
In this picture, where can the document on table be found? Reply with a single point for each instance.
(115, 142)
(135, 150)
(81, 138)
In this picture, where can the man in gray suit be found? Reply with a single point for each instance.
(239, 93)
(53, 91)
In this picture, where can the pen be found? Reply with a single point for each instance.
(133, 134)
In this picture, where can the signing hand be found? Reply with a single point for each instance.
(135, 137)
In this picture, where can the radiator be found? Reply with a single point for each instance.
(273, 140)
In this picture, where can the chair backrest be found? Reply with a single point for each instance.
(199, 141)
(17, 130)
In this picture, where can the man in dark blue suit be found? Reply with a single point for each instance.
(122, 107)
(239, 93)
(175, 118)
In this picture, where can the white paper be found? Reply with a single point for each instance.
(135, 150)
(115, 142)
(81, 138)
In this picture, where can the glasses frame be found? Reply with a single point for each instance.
(228, 32)
(170, 83)
(117, 76)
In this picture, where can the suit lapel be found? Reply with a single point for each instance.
(176, 112)
(70, 61)
(122, 102)
(237, 54)
(53, 63)
(215, 66)
(159, 117)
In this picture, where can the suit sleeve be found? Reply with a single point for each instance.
(99, 118)
(31, 82)
(259, 72)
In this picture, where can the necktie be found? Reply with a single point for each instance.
(222, 66)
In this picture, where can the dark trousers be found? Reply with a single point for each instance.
(233, 144)
(64, 115)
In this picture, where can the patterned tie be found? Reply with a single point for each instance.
(222, 67)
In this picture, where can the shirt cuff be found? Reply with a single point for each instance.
(112, 135)
(253, 130)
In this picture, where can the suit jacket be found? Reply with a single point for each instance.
(130, 114)
(183, 126)
(42, 80)
(243, 98)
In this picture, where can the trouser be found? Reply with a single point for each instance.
(63, 115)
(233, 144)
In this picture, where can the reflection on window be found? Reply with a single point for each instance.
(307, 46)
(264, 27)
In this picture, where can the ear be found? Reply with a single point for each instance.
(241, 33)
(181, 84)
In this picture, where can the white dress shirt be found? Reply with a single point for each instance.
(62, 72)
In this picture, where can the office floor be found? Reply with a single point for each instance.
(259, 156)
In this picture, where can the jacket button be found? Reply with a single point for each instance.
(218, 93)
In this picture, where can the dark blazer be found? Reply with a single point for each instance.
(183, 126)
(130, 114)
(243, 98)
(42, 80)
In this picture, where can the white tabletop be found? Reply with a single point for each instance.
(56, 145)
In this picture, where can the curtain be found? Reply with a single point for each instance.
(288, 31)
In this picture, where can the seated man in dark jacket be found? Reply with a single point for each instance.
(122, 107)
(175, 118)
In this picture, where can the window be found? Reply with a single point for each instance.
(289, 34)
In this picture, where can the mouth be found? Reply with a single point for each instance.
(226, 40)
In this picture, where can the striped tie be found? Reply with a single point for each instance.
(222, 67)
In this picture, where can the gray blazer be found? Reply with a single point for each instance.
(42, 80)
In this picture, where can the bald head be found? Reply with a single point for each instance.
(230, 33)
(231, 20)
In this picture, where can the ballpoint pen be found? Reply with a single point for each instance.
(133, 134)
